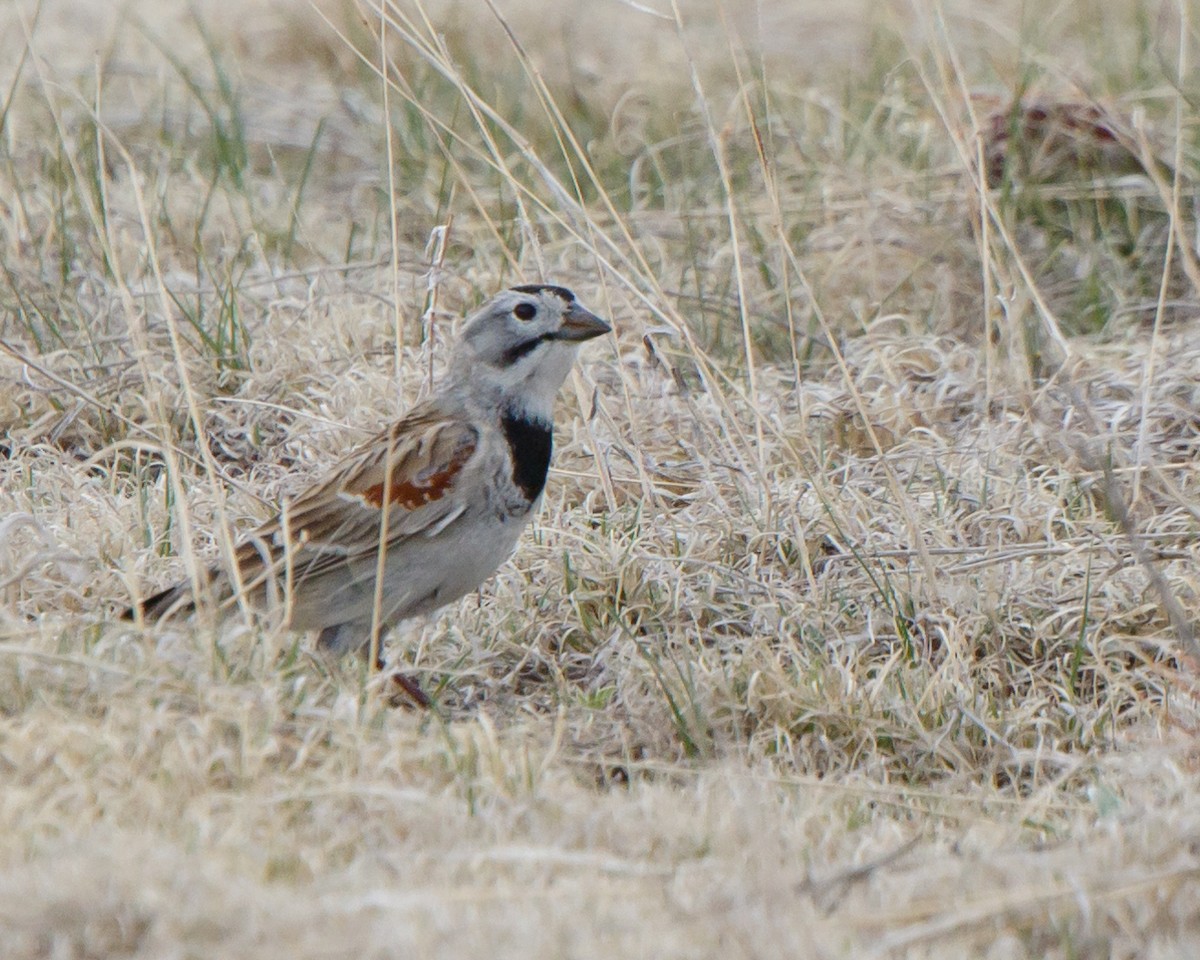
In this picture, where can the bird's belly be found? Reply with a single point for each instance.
(428, 574)
(420, 574)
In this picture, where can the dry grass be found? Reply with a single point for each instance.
(858, 620)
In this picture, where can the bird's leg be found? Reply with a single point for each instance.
(409, 685)
(345, 637)
(412, 689)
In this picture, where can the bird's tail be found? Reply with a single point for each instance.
(172, 602)
(176, 601)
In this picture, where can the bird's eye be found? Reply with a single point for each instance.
(524, 311)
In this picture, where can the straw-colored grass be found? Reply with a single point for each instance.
(859, 618)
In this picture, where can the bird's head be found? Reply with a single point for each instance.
(522, 342)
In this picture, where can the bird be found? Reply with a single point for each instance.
(425, 511)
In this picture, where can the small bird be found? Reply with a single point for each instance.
(427, 510)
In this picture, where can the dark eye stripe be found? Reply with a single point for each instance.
(513, 354)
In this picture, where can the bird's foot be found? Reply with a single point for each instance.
(408, 687)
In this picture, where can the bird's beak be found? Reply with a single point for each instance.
(579, 325)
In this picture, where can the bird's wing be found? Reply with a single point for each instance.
(409, 477)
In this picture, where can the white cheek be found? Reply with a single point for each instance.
(538, 377)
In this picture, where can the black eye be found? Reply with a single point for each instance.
(524, 311)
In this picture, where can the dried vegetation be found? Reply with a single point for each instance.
(859, 618)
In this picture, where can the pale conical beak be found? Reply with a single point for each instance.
(580, 324)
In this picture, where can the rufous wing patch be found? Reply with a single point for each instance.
(411, 492)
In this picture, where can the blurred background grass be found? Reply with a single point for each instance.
(859, 610)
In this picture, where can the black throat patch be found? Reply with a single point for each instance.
(530, 443)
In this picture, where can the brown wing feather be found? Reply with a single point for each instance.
(418, 460)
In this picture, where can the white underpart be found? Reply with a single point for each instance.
(532, 383)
